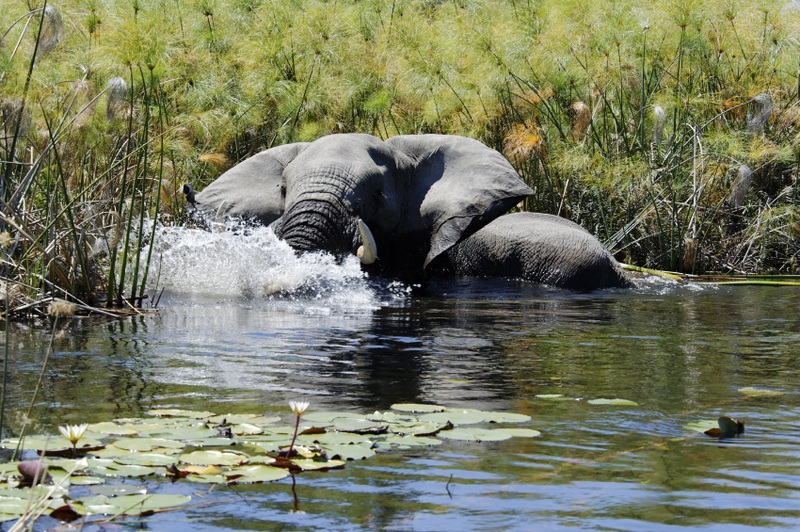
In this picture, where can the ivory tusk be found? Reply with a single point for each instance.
(368, 251)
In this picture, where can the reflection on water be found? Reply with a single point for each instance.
(345, 343)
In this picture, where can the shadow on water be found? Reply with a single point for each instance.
(312, 329)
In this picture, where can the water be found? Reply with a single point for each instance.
(244, 326)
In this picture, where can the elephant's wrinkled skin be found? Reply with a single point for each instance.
(433, 203)
(542, 248)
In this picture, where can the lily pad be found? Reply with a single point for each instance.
(109, 427)
(476, 434)
(212, 457)
(505, 417)
(759, 392)
(409, 441)
(553, 397)
(236, 419)
(522, 433)
(256, 473)
(313, 465)
(417, 408)
(175, 412)
(350, 452)
(612, 402)
(128, 504)
(146, 444)
(456, 417)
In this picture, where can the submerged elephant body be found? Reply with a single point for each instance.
(540, 248)
(413, 205)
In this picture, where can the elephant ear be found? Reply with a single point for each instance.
(459, 185)
(253, 189)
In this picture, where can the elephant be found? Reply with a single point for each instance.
(540, 248)
(411, 207)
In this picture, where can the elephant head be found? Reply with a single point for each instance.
(418, 195)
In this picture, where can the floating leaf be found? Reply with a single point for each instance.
(329, 417)
(409, 441)
(456, 417)
(522, 433)
(313, 465)
(553, 397)
(109, 427)
(759, 392)
(236, 419)
(415, 408)
(256, 473)
(505, 417)
(175, 412)
(147, 444)
(246, 428)
(336, 438)
(211, 457)
(129, 504)
(476, 434)
(350, 452)
(702, 426)
(612, 402)
(109, 468)
(360, 426)
(417, 428)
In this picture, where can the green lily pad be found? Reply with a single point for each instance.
(553, 397)
(110, 468)
(212, 457)
(505, 417)
(476, 434)
(313, 465)
(759, 392)
(179, 432)
(456, 417)
(329, 417)
(85, 480)
(612, 402)
(391, 417)
(409, 441)
(702, 426)
(146, 459)
(417, 428)
(335, 438)
(522, 433)
(134, 504)
(416, 408)
(175, 412)
(358, 425)
(256, 473)
(236, 419)
(50, 444)
(109, 427)
(241, 429)
(350, 452)
(146, 444)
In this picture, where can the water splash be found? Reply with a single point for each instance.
(252, 263)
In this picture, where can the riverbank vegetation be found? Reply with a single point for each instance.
(669, 129)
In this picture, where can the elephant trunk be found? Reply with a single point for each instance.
(321, 223)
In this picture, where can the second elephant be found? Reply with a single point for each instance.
(540, 248)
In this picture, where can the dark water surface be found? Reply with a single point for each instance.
(682, 353)
(247, 326)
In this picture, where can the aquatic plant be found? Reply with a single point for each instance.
(221, 449)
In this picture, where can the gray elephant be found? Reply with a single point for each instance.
(406, 206)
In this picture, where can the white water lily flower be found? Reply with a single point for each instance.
(298, 407)
(73, 433)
